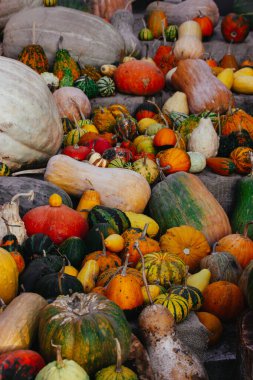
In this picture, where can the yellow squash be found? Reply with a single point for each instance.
(243, 84)
(227, 77)
(139, 221)
(88, 275)
(8, 277)
(88, 200)
(199, 280)
(243, 71)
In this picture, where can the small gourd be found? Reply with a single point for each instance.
(88, 200)
(9, 277)
(190, 28)
(198, 162)
(97, 160)
(145, 34)
(204, 139)
(88, 275)
(147, 168)
(177, 305)
(176, 103)
(108, 70)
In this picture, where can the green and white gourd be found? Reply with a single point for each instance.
(106, 86)
(87, 85)
(153, 129)
(171, 33)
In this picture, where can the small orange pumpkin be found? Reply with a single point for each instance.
(235, 121)
(212, 324)
(223, 299)
(156, 21)
(164, 137)
(105, 277)
(241, 158)
(174, 160)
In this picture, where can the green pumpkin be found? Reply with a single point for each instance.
(88, 86)
(171, 33)
(85, 325)
(106, 86)
(115, 217)
(74, 249)
(4, 169)
(116, 163)
(37, 245)
(193, 296)
(93, 238)
(177, 305)
(146, 34)
(246, 283)
(147, 168)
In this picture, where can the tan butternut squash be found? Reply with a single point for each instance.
(120, 188)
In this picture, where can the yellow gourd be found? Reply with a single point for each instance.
(144, 123)
(199, 280)
(55, 200)
(88, 200)
(71, 270)
(88, 275)
(139, 221)
(114, 243)
(227, 77)
(244, 71)
(154, 290)
(8, 277)
(243, 84)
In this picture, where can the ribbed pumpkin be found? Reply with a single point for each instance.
(74, 249)
(9, 276)
(174, 160)
(37, 245)
(236, 120)
(186, 242)
(213, 325)
(241, 159)
(223, 299)
(75, 322)
(157, 20)
(193, 295)
(105, 277)
(239, 245)
(177, 305)
(59, 222)
(183, 199)
(163, 268)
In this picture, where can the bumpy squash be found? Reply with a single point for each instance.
(30, 113)
(78, 29)
(118, 188)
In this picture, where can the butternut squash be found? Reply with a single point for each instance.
(119, 188)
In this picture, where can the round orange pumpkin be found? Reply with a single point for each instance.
(165, 136)
(223, 299)
(175, 159)
(212, 324)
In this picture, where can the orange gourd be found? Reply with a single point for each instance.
(88, 200)
(156, 21)
(165, 136)
(105, 277)
(241, 246)
(186, 242)
(212, 324)
(241, 159)
(174, 160)
(235, 121)
(223, 299)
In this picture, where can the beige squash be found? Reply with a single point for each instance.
(188, 47)
(119, 188)
(176, 103)
(9, 7)
(204, 139)
(19, 322)
(30, 125)
(190, 28)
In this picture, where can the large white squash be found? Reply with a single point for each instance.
(30, 126)
(89, 38)
(8, 7)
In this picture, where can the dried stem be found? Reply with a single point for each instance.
(119, 356)
(137, 246)
(59, 360)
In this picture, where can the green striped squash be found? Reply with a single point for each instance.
(116, 163)
(87, 85)
(178, 118)
(183, 199)
(4, 169)
(93, 239)
(193, 296)
(106, 86)
(171, 33)
(145, 34)
(115, 217)
(163, 268)
(67, 125)
(37, 245)
(73, 136)
(177, 305)
(75, 250)
(85, 325)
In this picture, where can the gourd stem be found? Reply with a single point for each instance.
(29, 195)
(163, 31)
(76, 146)
(60, 274)
(33, 33)
(144, 23)
(160, 113)
(119, 356)
(123, 273)
(214, 247)
(32, 171)
(144, 232)
(161, 173)
(59, 45)
(59, 360)
(137, 246)
(103, 242)
(245, 231)
(145, 161)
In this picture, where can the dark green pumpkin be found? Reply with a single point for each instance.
(37, 245)
(53, 285)
(246, 283)
(85, 325)
(115, 217)
(93, 238)
(193, 296)
(75, 250)
(10, 243)
(243, 210)
(171, 33)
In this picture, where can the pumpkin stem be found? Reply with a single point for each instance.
(144, 232)
(119, 356)
(163, 31)
(29, 195)
(214, 247)
(144, 23)
(161, 169)
(32, 171)
(103, 242)
(245, 231)
(123, 273)
(59, 360)
(137, 246)
(159, 112)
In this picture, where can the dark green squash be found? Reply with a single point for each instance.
(246, 283)
(115, 217)
(93, 238)
(37, 245)
(10, 243)
(75, 250)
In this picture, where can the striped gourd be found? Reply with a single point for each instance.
(49, 3)
(106, 86)
(115, 217)
(163, 268)
(4, 170)
(178, 117)
(116, 163)
(67, 125)
(73, 136)
(74, 249)
(171, 33)
(177, 305)
(193, 296)
(87, 85)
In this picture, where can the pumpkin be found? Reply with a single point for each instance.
(77, 152)
(241, 159)
(24, 364)
(61, 320)
(221, 165)
(118, 188)
(9, 277)
(217, 99)
(188, 47)
(10, 243)
(147, 168)
(165, 136)
(223, 266)
(245, 284)
(204, 139)
(139, 78)
(58, 222)
(186, 242)
(173, 160)
(212, 324)
(156, 21)
(106, 86)
(80, 32)
(60, 368)
(163, 268)
(239, 245)
(18, 333)
(224, 300)
(37, 245)
(193, 295)
(183, 199)
(105, 277)
(35, 116)
(177, 305)
(205, 24)
(107, 9)
(74, 249)
(115, 217)
(198, 162)
(165, 59)
(234, 27)
(145, 110)
(236, 120)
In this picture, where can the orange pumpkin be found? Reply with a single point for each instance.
(236, 121)
(241, 246)
(212, 324)
(241, 159)
(99, 290)
(223, 299)
(105, 277)
(174, 160)
(125, 290)
(188, 243)
(156, 21)
(165, 136)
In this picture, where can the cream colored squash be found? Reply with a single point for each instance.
(30, 125)
(188, 47)
(78, 29)
(190, 28)
(198, 162)
(176, 103)
(119, 188)
(19, 322)
(9, 7)
(8, 277)
(204, 139)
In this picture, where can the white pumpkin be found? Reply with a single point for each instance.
(8, 7)
(198, 162)
(188, 47)
(176, 103)
(190, 28)
(30, 125)
(204, 139)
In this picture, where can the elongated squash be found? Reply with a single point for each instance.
(119, 188)
(182, 199)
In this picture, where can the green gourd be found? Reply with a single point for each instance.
(115, 217)
(88, 86)
(193, 295)
(106, 86)
(74, 249)
(176, 304)
(63, 61)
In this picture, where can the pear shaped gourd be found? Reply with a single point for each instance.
(204, 139)
(176, 103)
